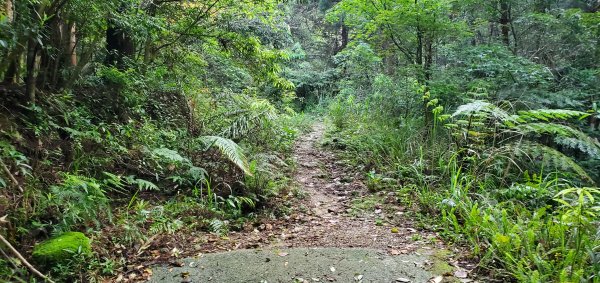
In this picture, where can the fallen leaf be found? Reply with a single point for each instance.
(461, 273)
(394, 230)
(148, 272)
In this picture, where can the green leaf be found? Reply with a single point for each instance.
(229, 149)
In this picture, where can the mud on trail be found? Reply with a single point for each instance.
(335, 233)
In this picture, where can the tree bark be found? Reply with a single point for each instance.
(32, 68)
(344, 34)
(12, 72)
(10, 11)
(119, 44)
(505, 21)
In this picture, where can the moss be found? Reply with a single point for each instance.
(61, 248)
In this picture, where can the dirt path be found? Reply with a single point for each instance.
(332, 187)
(336, 232)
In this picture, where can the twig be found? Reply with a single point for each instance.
(9, 260)
(24, 261)
(10, 175)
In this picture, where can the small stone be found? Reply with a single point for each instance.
(402, 279)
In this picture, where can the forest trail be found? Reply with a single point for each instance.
(325, 239)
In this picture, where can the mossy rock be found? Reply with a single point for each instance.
(61, 248)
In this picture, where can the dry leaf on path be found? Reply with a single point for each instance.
(461, 273)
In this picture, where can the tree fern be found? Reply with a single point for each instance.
(550, 157)
(479, 107)
(489, 129)
(229, 149)
(254, 113)
(565, 136)
(551, 114)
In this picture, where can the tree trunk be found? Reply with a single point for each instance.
(344, 34)
(72, 44)
(32, 68)
(12, 72)
(10, 11)
(119, 44)
(505, 21)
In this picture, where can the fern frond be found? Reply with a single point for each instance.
(229, 149)
(550, 157)
(170, 155)
(257, 113)
(551, 114)
(483, 109)
(563, 135)
(472, 108)
(145, 185)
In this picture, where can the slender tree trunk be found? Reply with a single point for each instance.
(119, 44)
(32, 66)
(344, 34)
(505, 21)
(71, 51)
(10, 11)
(12, 72)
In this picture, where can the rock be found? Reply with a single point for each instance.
(61, 248)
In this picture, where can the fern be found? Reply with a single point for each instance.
(218, 227)
(492, 130)
(564, 135)
(144, 184)
(550, 157)
(484, 109)
(170, 155)
(551, 114)
(256, 113)
(229, 149)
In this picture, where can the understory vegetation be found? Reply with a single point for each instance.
(136, 122)
(483, 122)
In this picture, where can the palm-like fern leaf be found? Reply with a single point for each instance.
(479, 107)
(229, 149)
(551, 114)
(550, 157)
(563, 135)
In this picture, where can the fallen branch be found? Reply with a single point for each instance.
(24, 261)
(10, 175)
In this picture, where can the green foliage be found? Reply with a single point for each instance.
(542, 244)
(229, 149)
(78, 200)
(491, 134)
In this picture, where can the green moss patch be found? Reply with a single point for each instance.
(61, 248)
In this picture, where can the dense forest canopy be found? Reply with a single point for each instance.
(132, 121)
